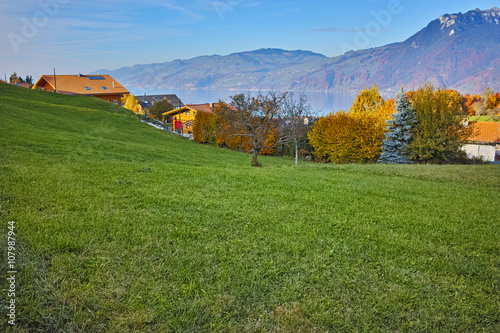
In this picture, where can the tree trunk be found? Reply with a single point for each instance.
(296, 152)
(255, 163)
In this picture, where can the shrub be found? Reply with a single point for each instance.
(347, 138)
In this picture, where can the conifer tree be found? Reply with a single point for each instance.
(399, 132)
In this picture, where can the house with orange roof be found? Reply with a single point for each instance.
(484, 141)
(100, 86)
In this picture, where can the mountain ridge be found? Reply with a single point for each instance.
(460, 51)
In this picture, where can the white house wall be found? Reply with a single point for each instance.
(484, 151)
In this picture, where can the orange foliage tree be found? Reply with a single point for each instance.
(471, 103)
(252, 123)
(249, 124)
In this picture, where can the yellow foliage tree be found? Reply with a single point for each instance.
(367, 101)
(131, 103)
(348, 138)
(355, 136)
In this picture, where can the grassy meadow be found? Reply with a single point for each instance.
(121, 227)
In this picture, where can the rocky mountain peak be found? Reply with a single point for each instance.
(474, 17)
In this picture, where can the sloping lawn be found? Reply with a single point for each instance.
(121, 227)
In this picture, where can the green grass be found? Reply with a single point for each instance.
(121, 227)
(484, 118)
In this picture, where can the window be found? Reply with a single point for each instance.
(87, 88)
(187, 113)
(116, 102)
(104, 88)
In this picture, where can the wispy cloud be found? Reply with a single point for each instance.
(343, 30)
(183, 10)
(335, 30)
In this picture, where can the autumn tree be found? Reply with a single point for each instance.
(439, 132)
(472, 104)
(159, 108)
(14, 78)
(492, 102)
(399, 132)
(355, 136)
(131, 103)
(205, 127)
(256, 121)
(367, 101)
(344, 137)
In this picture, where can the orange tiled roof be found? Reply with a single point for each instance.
(487, 132)
(83, 84)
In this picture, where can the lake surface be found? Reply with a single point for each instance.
(323, 102)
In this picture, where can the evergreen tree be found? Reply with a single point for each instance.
(399, 132)
(160, 107)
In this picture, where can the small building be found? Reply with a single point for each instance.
(183, 118)
(485, 141)
(148, 101)
(100, 86)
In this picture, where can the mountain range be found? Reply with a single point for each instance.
(459, 51)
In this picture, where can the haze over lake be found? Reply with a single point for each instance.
(323, 102)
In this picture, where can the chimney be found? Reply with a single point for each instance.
(212, 105)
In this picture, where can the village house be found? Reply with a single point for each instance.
(485, 141)
(183, 118)
(147, 101)
(100, 86)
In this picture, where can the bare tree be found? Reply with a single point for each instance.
(296, 114)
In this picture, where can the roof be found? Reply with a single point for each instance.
(22, 84)
(207, 107)
(83, 84)
(149, 100)
(202, 107)
(487, 132)
(177, 111)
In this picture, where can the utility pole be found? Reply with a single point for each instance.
(180, 121)
(55, 82)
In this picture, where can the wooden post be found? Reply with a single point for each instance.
(55, 81)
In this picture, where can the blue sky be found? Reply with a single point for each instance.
(83, 36)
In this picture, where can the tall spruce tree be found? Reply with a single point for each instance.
(399, 132)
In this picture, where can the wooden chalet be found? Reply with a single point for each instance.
(100, 86)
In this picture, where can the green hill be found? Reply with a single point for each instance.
(120, 227)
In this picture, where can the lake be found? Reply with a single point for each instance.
(323, 102)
